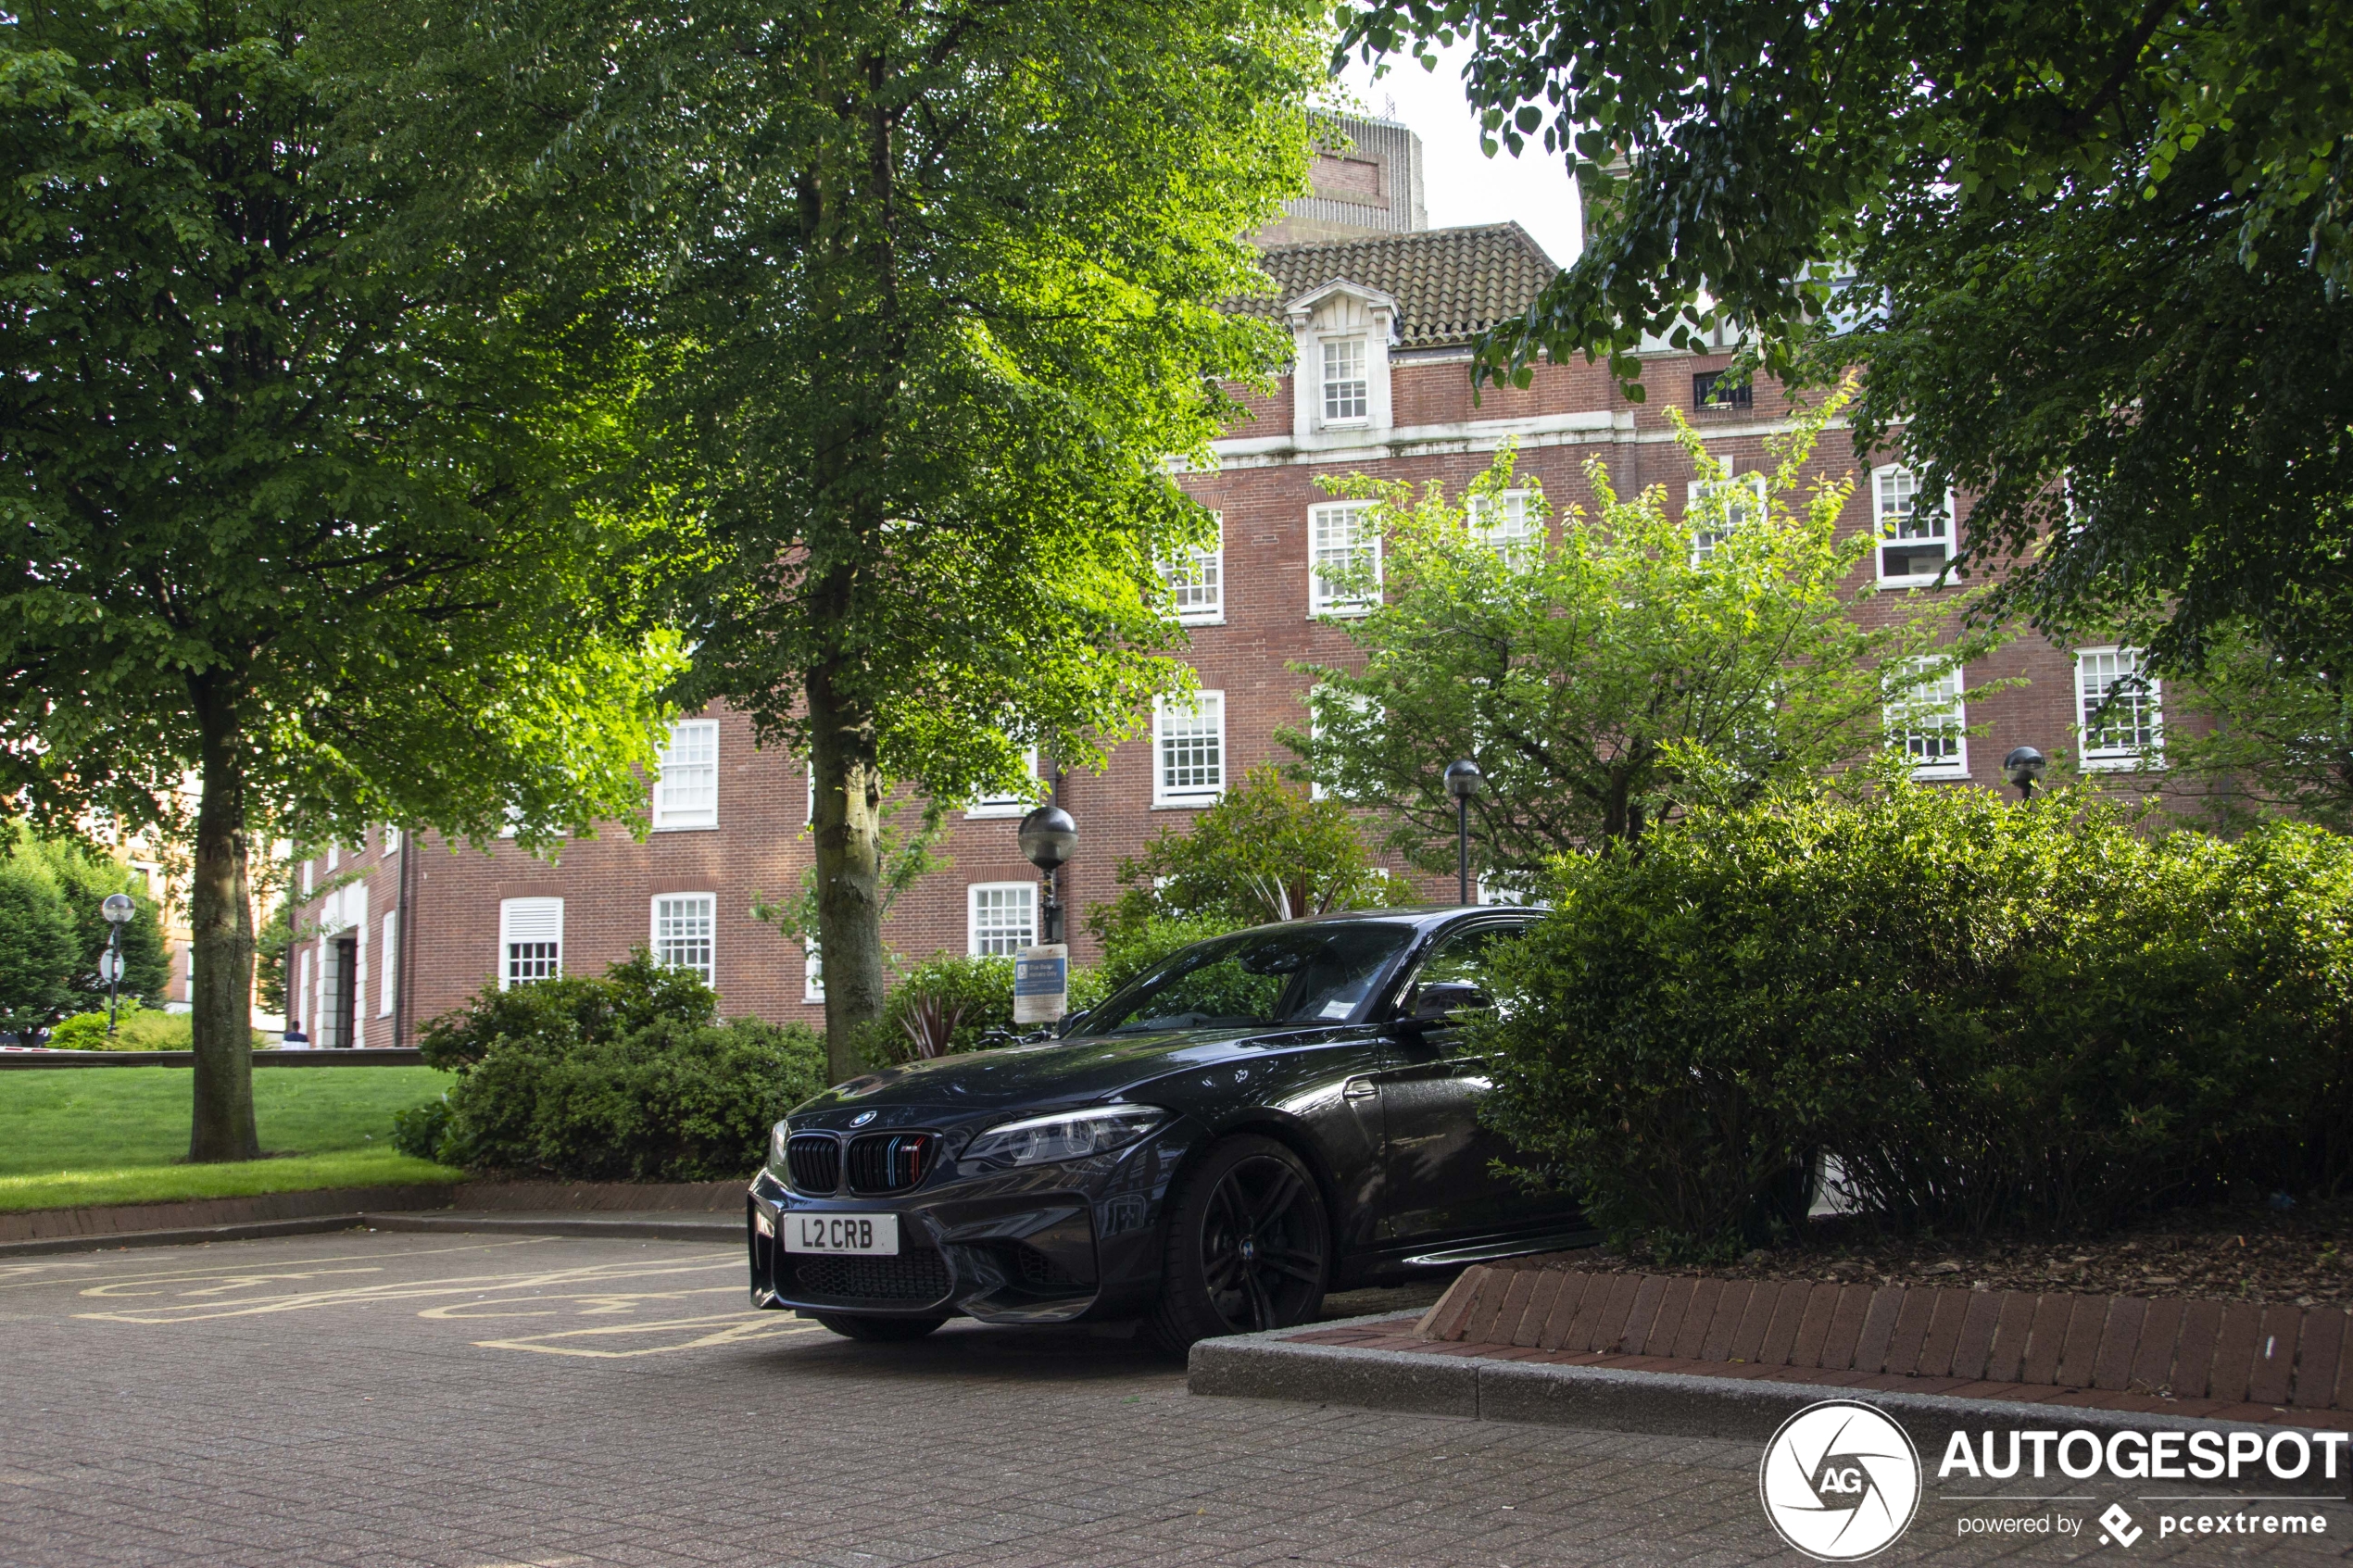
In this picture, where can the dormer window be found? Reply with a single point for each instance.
(1341, 338)
(1347, 386)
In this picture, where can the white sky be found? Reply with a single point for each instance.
(1465, 186)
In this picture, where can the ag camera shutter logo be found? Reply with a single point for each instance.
(1840, 1481)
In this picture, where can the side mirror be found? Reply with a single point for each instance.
(1430, 1005)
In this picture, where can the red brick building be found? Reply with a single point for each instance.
(398, 930)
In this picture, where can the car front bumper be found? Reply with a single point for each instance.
(1048, 1244)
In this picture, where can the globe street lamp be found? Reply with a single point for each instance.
(2024, 766)
(1465, 783)
(117, 909)
(1048, 836)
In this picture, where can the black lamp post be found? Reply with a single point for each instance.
(1048, 836)
(2024, 766)
(117, 909)
(1465, 783)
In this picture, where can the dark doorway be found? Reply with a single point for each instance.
(347, 994)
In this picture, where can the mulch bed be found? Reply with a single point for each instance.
(2302, 1258)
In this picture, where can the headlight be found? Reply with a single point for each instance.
(777, 1148)
(1068, 1135)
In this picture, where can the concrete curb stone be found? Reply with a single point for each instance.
(652, 1227)
(105, 1223)
(675, 1212)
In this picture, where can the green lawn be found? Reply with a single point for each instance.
(118, 1134)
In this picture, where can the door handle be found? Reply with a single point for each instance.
(1359, 1088)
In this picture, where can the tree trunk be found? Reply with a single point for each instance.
(849, 834)
(221, 924)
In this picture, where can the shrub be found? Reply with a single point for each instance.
(420, 1131)
(1988, 1014)
(977, 992)
(627, 1077)
(136, 1029)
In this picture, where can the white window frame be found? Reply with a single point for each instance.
(1008, 805)
(1200, 572)
(334, 855)
(1333, 377)
(1323, 601)
(1507, 524)
(1951, 709)
(1167, 718)
(307, 882)
(1888, 515)
(392, 837)
(302, 993)
(658, 944)
(699, 810)
(812, 971)
(2111, 758)
(1736, 515)
(532, 915)
(999, 941)
(388, 979)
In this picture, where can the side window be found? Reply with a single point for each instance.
(1461, 959)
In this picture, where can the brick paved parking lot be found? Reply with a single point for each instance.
(472, 1401)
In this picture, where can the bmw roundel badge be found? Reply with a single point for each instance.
(861, 1118)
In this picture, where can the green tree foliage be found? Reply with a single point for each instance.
(301, 489)
(1266, 851)
(84, 879)
(629, 1076)
(1987, 1014)
(1605, 679)
(937, 290)
(2277, 740)
(37, 950)
(2101, 241)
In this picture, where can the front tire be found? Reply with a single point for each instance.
(879, 1331)
(1249, 1246)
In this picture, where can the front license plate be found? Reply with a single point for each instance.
(871, 1235)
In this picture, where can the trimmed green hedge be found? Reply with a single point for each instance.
(1988, 1014)
(627, 1077)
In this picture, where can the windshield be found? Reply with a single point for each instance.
(1292, 975)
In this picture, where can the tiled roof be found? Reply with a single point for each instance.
(1450, 284)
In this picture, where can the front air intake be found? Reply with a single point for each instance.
(815, 1161)
(891, 1161)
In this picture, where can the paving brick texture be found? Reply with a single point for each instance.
(2222, 1360)
(483, 1403)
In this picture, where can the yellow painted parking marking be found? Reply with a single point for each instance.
(67, 1270)
(202, 1299)
(699, 1333)
(595, 1304)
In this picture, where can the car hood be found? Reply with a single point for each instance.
(1042, 1077)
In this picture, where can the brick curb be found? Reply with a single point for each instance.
(1279, 1366)
(2227, 1360)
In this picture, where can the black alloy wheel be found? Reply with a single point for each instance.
(879, 1331)
(1249, 1247)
